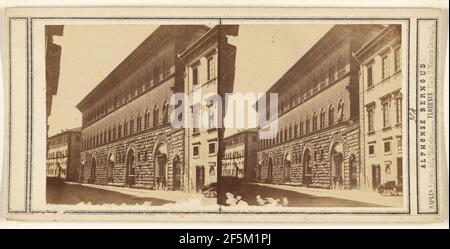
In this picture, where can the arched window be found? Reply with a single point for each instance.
(119, 130)
(322, 118)
(155, 116)
(147, 119)
(125, 128)
(114, 132)
(285, 134)
(139, 122)
(290, 132)
(296, 130)
(131, 125)
(308, 124)
(340, 116)
(105, 134)
(165, 112)
(331, 115)
(301, 128)
(109, 134)
(341, 67)
(315, 122)
(331, 75)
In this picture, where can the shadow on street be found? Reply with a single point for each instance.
(70, 194)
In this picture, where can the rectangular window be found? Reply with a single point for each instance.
(384, 67)
(212, 148)
(369, 77)
(370, 123)
(398, 59)
(399, 144)
(195, 151)
(371, 149)
(387, 147)
(210, 68)
(398, 110)
(195, 76)
(385, 107)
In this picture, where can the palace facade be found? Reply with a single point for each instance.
(127, 138)
(381, 108)
(317, 143)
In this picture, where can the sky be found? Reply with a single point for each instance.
(90, 52)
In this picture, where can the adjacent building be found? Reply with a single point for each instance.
(381, 108)
(63, 155)
(127, 138)
(239, 159)
(317, 143)
(210, 73)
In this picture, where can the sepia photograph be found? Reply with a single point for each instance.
(114, 93)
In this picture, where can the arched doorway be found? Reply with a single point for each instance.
(131, 169)
(307, 168)
(178, 173)
(352, 165)
(81, 172)
(287, 167)
(336, 160)
(160, 181)
(110, 168)
(270, 170)
(93, 167)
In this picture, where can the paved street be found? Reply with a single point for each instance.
(63, 193)
(249, 192)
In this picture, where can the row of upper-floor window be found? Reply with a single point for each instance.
(300, 92)
(62, 139)
(384, 66)
(126, 94)
(319, 120)
(56, 154)
(210, 70)
(127, 127)
(386, 104)
(234, 154)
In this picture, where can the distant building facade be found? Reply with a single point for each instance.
(317, 143)
(63, 155)
(210, 73)
(127, 139)
(239, 160)
(381, 111)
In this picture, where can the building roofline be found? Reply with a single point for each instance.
(73, 130)
(132, 60)
(374, 40)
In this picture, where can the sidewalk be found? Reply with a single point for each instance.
(353, 195)
(173, 196)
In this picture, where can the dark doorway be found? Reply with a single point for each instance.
(353, 172)
(337, 159)
(110, 171)
(93, 166)
(178, 173)
(131, 169)
(270, 170)
(81, 174)
(307, 168)
(376, 176)
(287, 170)
(200, 178)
